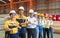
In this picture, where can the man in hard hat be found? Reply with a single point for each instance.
(37, 29)
(11, 26)
(46, 27)
(31, 25)
(51, 28)
(41, 24)
(21, 19)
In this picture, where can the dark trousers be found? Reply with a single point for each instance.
(50, 32)
(14, 35)
(8, 35)
(46, 31)
(22, 32)
(31, 33)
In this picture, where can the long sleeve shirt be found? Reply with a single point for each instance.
(51, 22)
(40, 22)
(33, 22)
(48, 23)
(21, 17)
(13, 25)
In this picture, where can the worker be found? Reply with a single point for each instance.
(20, 17)
(31, 25)
(51, 27)
(11, 26)
(37, 29)
(41, 24)
(46, 27)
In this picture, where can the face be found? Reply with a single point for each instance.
(35, 15)
(42, 17)
(31, 15)
(21, 11)
(38, 16)
(50, 18)
(12, 15)
(46, 18)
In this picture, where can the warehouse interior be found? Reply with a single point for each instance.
(41, 6)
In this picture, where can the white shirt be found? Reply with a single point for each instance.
(33, 23)
(48, 22)
(51, 22)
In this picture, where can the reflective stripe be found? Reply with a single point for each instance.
(12, 27)
(46, 26)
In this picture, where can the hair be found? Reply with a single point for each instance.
(10, 14)
(20, 9)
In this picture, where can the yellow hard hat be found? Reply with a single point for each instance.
(41, 14)
(38, 14)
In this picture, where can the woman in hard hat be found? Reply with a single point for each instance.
(37, 29)
(41, 24)
(51, 28)
(46, 27)
(31, 25)
(20, 17)
(11, 26)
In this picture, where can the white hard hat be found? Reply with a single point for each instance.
(12, 11)
(21, 7)
(35, 12)
(31, 11)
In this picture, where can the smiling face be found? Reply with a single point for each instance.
(31, 14)
(50, 18)
(38, 16)
(12, 15)
(42, 17)
(35, 15)
(21, 11)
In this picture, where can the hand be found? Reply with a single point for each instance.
(29, 22)
(9, 29)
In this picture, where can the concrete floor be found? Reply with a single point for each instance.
(56, 35)
(2, 35)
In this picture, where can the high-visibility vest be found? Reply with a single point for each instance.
(12, 25)
(47, 24)
(51, 22)
(21, 17)
(41, 21)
